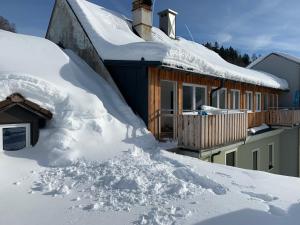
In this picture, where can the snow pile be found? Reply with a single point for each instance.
(262, 127)
(114, 39)
(89, 118)
(135, 178)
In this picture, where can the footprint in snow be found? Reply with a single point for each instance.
(223, 174)
(263, 197)
(242, 186)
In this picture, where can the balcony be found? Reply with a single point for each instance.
(285, 117)
(209, 131)
(202, 132)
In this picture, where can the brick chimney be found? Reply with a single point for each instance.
(167, 22)
(142, 18)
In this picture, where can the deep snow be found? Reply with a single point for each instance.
(113, 38)
(96, 163)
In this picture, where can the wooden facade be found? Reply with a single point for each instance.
(158, 74)
(205, 132)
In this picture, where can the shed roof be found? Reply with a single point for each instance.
(17, 99)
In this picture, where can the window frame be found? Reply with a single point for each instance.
(260, 109)
(235, 157)
(194, 86)
(247, 101)
(258, 158)
(273, 156)
(234, 100)
(28, 133)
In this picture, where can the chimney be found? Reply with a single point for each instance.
(142, 18)
(167, 22)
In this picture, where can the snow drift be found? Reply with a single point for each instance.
(113, 38)
(89, 119)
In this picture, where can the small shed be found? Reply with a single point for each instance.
(20, 122)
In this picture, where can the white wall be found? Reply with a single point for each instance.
(285, 69)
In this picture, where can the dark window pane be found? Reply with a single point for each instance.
(255, 160)
(222, 99)
(14, 138)
(215, 99)
(200, 97)
(230, 159)
(266, 101)
(187, 98)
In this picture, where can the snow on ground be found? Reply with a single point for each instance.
(112, 36)
(97, 164)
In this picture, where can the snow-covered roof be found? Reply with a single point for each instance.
(111, 34)
(280, 54)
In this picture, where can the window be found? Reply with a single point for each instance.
(223, 98)
(271, 156)
(271, 103)
(235, 99)
(219, 98)
(249, 100)
(187, 97)
(257, 102)
(255, 159)
(276, 101)
(200, 97)
(215, 99)
(266, 102)
(193, 97)
(14, 137)
(230, 158)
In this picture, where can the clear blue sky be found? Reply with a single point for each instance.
(252, 26)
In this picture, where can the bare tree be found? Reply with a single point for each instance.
(6, 25)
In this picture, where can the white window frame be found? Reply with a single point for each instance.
(218, 96)
(233, 98)
(273, 154)
(236, 156)
(247, 100)
(258, 158)
(256, 94)
(28, 133)
(194, 86)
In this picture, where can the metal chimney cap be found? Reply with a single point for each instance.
(166, 11)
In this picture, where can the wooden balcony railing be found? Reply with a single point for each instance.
(274, 117)
(283, 117)
(205, 132)
(201, 132)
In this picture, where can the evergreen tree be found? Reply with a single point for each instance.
(230, 54)
(6, 25)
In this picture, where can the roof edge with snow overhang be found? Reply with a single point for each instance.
(114, 40)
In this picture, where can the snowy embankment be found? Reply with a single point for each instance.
(96, 163)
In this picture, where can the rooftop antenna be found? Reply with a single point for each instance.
(190, 33)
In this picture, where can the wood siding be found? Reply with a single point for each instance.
(155, 75)
(205, 132)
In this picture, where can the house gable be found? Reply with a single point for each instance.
(67, 32)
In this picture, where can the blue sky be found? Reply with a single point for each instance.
(252, 26)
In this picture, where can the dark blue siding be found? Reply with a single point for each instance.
(132, 81)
